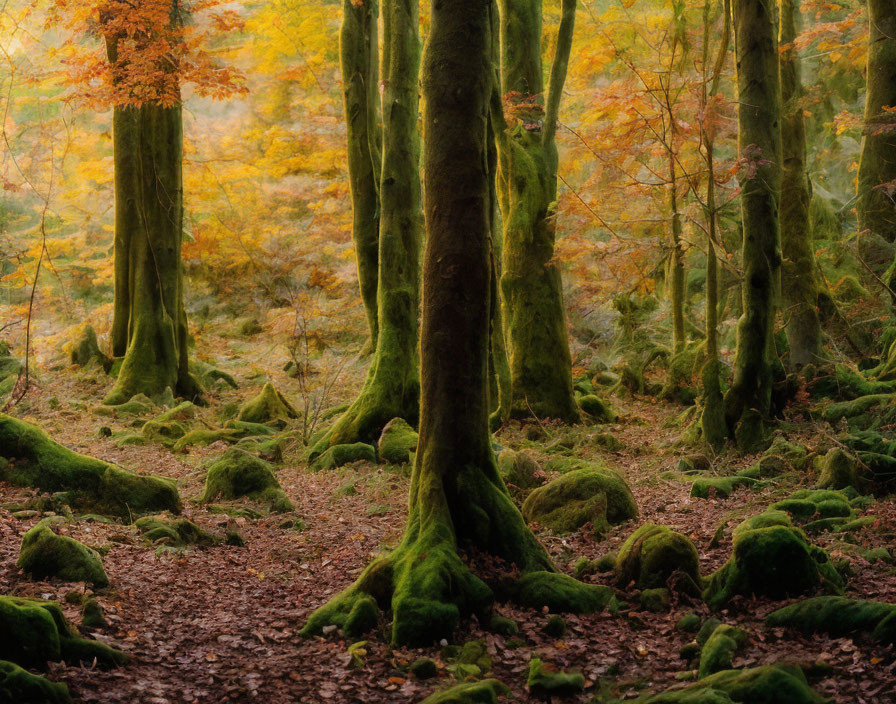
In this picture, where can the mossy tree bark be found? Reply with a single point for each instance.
(531, 289)
(748, 401)
(799, 288)
(392, 387)
(358, 52)
(457, 497)
(876, 206)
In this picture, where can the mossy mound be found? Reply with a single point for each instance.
(720, 487)
(653, 554)
(840, 470)
(338, 455)
(164, 432)
(203, 437)
(719, 649)
(816, 504)
(237, 473)
(584, 566)
(89, 484)
(589, 495)
(562, 593)
(519, 469)
(46, 554)
(482, 692)
(545, 681)
(599, 410)
(177, 533)
(397, 442)
(33, 633)
(211, 377)
(773, 561)
(84, 348)
(19, 686)
(139, 405)
(768, 684)
(793, 454)
(270, 406)
(838, 616)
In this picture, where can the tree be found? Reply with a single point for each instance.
(799, 287)
(531, 290)
(876, 203)
(392, 387)
(358, 51)
(748, 401)
(457, 498)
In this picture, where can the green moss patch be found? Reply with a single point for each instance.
(769, 684)
(720, 487)
(270, 406)
(718, 652)
(397, 442)
(46, 554)
(177, 533)
(562, 593)
(519, 470)
(840, 470)
(338, 455)
(653, 554)
(599, 410)
(483, 692)
(589, 495)
(19, 686)
(237, 474)
(838, 616)
(545, 681)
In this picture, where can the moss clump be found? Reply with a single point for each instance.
(718, 652)
(773, 561)
(689, 623)
(545, 681)
(769, 684)
(46, 554)
(33, 633)
(589, 495)
(210, 377)
(520, 470)
(719, 487)
(555, 627)
(397, 442)
(839, 470)
(807, 504)
(503, 626)
(270, 406)
(139, 405)
(362, 618)
(482, 692)
(177, 533)
(21, 687)
(88, 483)
(424, 669)
(562, 593)
(84, 348)
(599, 410)
(584, 566)
(203, 437)
(164, 432)
(92, 615)
(653, 554)
(10, 368)
(657, 600)
(338, 455)
(795, 455)
(237, 473)
(837, 616)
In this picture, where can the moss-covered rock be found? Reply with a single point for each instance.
(599, 410)
(177, 533)
(589, 495)
(720, 487)
(33, 633)
(397, 442)
(689, 623)
(584, 566)
(653, 554)
(812, 504)
(718, 652)
(165, 432)
(46, 554)
(769, 684)
(774, 561)
(519, 469)
(795, 455)
(338, 455)
(19, 686)
(270, 406)
(562, 593)
(139, 405)
(503, 626)
(88, 483)
(546, 681)
(92, 615)
(84, 348)
(482, 692)
(839, 470)
(205, 436)
(424, 669)
(210, 377)
(837, 616)
(555, 626)
(237, 473)
(657, 599)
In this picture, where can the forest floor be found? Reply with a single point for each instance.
(221, 624)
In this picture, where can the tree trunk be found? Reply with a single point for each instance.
(531, 289)
(392, 388)
(457, 497)
(677, 256)
(358, 58)
(748, 401)
(876, 204)
(799, 288)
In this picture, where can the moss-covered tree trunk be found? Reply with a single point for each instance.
(799, 288)
(676, 257)
(876, 204)
(392, 388)
(748, 401)
(531, 288)
(457, 497)
(358, 52)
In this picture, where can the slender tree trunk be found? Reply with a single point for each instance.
(876, 204)
(358, 58)
(531, 288)
(677, 257)
(392, 388)
(799, 289)
(748, 401)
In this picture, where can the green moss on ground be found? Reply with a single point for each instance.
(18, 686)
(139, 405)
(210, 377)
(92, 615)
(561, 593)
(718, 652)
(237, 474)
(545, 681)
(720, 487)
(815, 504)
(653, 554)
(270, 406)
(46, 554)
(838, 616)
(89, 484)
(10, 368)
(589, 495)
(519, 470)
(338, 455)
(839, 470)
(397, 442)
(482, 692)
(177, 533)
(768, 684)
(599, 410)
